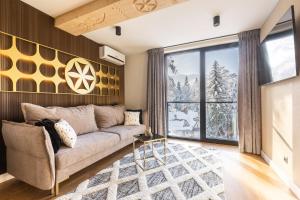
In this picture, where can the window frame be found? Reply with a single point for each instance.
(202, 101)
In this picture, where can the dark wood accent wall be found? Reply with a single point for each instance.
(22, 20)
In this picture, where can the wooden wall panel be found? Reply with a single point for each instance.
(22, 20)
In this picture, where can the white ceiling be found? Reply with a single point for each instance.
(185, 22)
(55, 8)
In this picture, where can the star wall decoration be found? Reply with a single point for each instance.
(80, 76)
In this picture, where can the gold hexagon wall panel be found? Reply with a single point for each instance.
(81, 76)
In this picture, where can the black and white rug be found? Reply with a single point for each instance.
(190, 173)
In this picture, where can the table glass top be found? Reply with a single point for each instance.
(144, 138)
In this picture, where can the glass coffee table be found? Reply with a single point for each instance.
(149, 140)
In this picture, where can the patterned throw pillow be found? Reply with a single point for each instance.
(132, 118)
(139, 111)
(66, 133)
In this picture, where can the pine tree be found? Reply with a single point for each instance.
(186, 81)
(219, 89)
(171, 89)
(217, 83)
(178, 86)
(171, 82)
(186, 90)
(178, 93)
(172, 66)
(195, 90)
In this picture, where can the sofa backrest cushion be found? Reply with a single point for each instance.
(108, 116)
(33, 113)
(119, 113)
(81, 118)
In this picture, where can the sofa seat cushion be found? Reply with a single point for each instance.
(126, 132)
(87, 145)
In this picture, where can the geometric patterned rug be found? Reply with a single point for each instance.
(190, 173)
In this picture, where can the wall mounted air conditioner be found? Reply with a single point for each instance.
(111, 55)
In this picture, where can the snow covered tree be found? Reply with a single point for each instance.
(178, 95)
(217, 87)
(172, 66)
(171, 82)
(186, 90)
(220, 88)
(178, 88)
(195, 90)
(171, 89)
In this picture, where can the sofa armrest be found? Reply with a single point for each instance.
(30, 155)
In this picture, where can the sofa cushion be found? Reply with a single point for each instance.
(139, 111)
(126, 132)
(66, 133)
(119, 113)
(108, 116)
(132, 118)
(87, 145)
(33, 113)
(81, 118)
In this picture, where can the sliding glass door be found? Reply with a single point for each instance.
(202, 94)
(221, 78)
(184, 94)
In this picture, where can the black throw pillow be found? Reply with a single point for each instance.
(140, 115)
(49, 126)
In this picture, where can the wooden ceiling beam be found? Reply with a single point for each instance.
(103, 13)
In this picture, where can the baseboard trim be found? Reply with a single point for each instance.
(277, 170)
(5, 177)
(288, 181)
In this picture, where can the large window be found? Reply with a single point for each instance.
(184, 94)
(202, 93)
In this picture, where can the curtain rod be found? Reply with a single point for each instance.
(224, 36)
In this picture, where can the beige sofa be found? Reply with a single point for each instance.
(30, 155)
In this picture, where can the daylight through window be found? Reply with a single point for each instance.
(202, 93)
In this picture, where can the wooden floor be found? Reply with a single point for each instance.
(246, 177)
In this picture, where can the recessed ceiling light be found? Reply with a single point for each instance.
(216, 20)
(118, 30)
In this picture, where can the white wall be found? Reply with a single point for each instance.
(136, 81)
(281, 109)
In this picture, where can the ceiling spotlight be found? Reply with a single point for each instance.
(118, 30)
(216, 20)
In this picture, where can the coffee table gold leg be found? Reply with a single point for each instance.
(152, 149)
(133, 145)
(165, 151)
(144, 155)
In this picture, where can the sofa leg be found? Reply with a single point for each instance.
(56, 189)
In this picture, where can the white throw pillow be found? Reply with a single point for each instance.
(132, 118)
(66, 133)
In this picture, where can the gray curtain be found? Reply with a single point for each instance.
(249, 111)
(156, 91)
